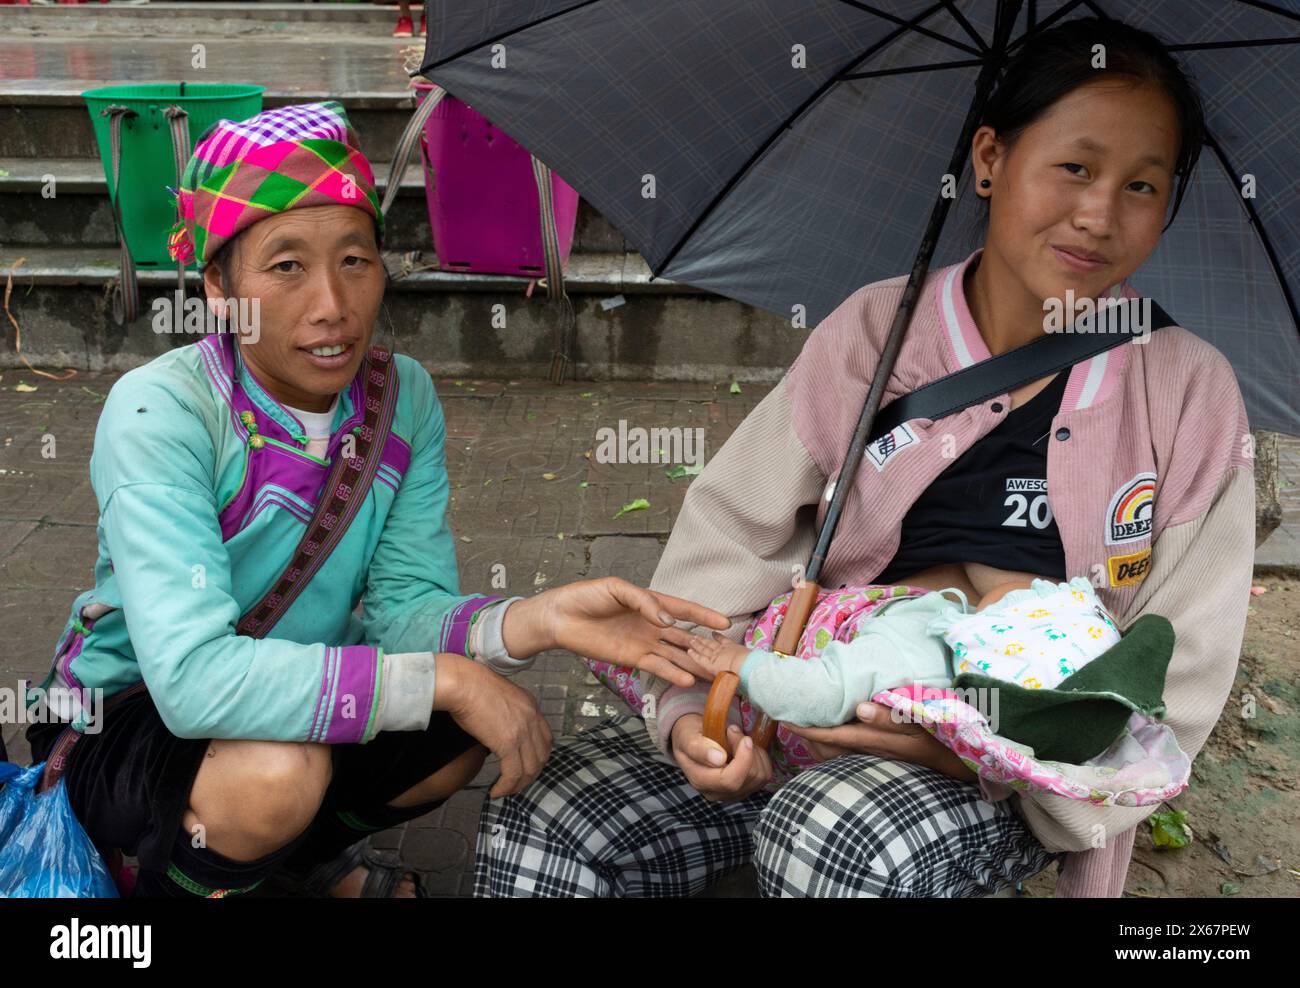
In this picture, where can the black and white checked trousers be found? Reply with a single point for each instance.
(609, 817)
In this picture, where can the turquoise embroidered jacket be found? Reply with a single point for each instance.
(204, 490)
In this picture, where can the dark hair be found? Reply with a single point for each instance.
(223, 260)
(1050, 65)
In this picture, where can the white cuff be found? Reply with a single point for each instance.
(406, 688)
(487, 645)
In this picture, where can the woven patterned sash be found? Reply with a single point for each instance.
(344, 492)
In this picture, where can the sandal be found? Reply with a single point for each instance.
(384, 872)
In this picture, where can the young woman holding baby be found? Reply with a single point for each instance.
(1142, 451)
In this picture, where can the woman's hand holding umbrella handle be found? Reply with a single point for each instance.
(707, 767)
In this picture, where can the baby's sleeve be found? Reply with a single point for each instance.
(892, 649)
(818, 692)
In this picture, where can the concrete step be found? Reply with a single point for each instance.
(50, 119)
(628, 327)
(341, 20)
(79, 212)
(42, 75)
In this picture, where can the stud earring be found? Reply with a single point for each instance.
(985, 183)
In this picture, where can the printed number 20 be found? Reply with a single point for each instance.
(1040, 512)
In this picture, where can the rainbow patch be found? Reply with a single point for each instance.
(1128, 518)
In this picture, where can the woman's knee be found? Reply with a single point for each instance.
(260, 793)
(866, 826)
(826, 834)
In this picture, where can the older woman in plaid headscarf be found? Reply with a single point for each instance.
(253, 488)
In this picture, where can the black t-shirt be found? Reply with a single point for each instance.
(990, 505)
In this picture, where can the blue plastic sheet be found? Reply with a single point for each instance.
(44, 851)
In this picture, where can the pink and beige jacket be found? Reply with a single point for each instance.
(1150, 477)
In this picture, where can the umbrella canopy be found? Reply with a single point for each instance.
(786, 152)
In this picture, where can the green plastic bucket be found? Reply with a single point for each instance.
(148, 163)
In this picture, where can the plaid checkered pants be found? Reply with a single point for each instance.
(609, 817)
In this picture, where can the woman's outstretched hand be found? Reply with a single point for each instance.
(612, 620)
(875, 732)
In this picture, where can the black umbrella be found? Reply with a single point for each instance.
(683, 123)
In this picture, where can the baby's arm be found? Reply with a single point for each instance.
(819, 692)
(825, 691)
(808, 693)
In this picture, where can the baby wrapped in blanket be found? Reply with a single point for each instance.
(1033, 646)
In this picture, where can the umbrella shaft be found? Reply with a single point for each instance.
(1007, 13)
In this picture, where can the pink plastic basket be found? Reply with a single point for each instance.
(482, 196)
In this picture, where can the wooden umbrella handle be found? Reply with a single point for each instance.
(801, 605)
(725, 684)
(764, 732)
(721, 693)
(716, 707)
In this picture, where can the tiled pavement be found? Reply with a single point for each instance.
(517, 463)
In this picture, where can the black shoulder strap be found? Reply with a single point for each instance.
(1109, 326)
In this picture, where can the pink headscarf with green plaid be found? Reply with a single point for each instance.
(287, 158)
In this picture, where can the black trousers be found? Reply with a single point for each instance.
(129, 784)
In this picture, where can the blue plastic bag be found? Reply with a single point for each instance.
(44, 851)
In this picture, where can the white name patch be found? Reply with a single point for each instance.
(886, 447)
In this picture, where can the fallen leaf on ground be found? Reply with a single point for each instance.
(638, 505)
(682, 470)
(1170, 829)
